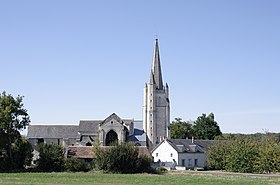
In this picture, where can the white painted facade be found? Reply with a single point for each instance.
(168, 153)
(165, 153)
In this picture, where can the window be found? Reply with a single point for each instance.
(40, 140)
(183, 162)
(195, 162)
(156, 154)
(190, 162)
(171, 155)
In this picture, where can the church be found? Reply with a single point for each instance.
(146, 133)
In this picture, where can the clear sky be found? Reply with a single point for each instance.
(76, 60)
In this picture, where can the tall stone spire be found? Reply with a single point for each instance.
(156, 109)
(156, 69)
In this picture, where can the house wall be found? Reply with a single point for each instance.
(190, 160)
(165, 153)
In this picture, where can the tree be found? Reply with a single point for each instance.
(13, 118)
(217, 154)
(22, 153)
(123, 158)
(180, 129)
(205, 127)
(51, 158)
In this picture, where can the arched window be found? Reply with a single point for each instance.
(111, 137)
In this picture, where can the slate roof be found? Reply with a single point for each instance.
(139, 134)
(112, 116)
(89, 125)
(186, 145)
(52, 131)
(87, 152)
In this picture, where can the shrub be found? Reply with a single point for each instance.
(123, 158)
(51, 158)
(161, 170)
(22, 153)
(76, 165)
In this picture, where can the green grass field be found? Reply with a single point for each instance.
(98, 178)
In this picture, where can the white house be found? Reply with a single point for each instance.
(181, 153)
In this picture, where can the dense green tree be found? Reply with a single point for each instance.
(268, 159)
(13, 118)
(245, 156)
(242, 156)
(51, 158)
(180, 129)
(205, 127)
(123, 158)
(22, 153)
(218, 154)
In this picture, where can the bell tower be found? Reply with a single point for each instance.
(156, 108)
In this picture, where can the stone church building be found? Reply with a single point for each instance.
(149, 132)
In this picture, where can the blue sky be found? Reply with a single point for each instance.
(77, 60)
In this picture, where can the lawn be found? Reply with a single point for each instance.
(98, 178)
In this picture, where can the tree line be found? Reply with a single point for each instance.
(246, 155)
(205, 127)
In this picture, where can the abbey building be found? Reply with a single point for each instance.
(149, 132)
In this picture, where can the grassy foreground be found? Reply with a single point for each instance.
(97, 178)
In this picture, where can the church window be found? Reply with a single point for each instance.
(151, 114)
(156, 154)
(151, 107)
(171, 155)
(111, 122)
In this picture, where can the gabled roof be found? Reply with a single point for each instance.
(52, 131)
(169, 142)
(112, 116)
(89, 126)
(186, 145)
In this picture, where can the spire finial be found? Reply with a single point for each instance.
(156, 69)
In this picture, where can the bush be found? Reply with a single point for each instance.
(123, 158)
(76, 165)
(245, 156)
(22, 153)
(161, 170)
(51, 158)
